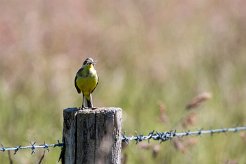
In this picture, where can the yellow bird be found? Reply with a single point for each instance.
(86, 81)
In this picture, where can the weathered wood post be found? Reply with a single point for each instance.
(92, 136)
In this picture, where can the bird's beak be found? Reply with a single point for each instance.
(92, 63)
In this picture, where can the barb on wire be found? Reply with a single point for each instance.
(158, 136)
(32, 146)
(164, 136)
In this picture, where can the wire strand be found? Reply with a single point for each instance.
(153, 135)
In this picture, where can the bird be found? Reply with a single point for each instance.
(86, 80)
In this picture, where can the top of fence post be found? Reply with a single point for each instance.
(92, 136)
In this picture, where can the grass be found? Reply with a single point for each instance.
(155, 54)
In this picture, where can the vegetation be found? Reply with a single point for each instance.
(152, 57)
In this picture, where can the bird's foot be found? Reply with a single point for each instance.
(83, 107)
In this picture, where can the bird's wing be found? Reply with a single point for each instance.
(76, 86)
(96, 84)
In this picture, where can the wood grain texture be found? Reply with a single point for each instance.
(94, 135)
(69, 131)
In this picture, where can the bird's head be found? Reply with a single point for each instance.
(89, 62)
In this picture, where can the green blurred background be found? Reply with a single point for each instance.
(152, 57)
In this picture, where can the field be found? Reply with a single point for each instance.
(153, 58)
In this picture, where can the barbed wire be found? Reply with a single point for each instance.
(32, 146)
(154, 135)
(165, 136)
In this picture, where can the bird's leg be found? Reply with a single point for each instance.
(82, 102)
(91, 102)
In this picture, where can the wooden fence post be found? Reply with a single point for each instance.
(92, 136)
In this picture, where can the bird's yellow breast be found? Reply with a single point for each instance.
(87, 83)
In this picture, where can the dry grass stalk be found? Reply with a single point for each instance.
(189, 120)
(198, 100)
(163, 114)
